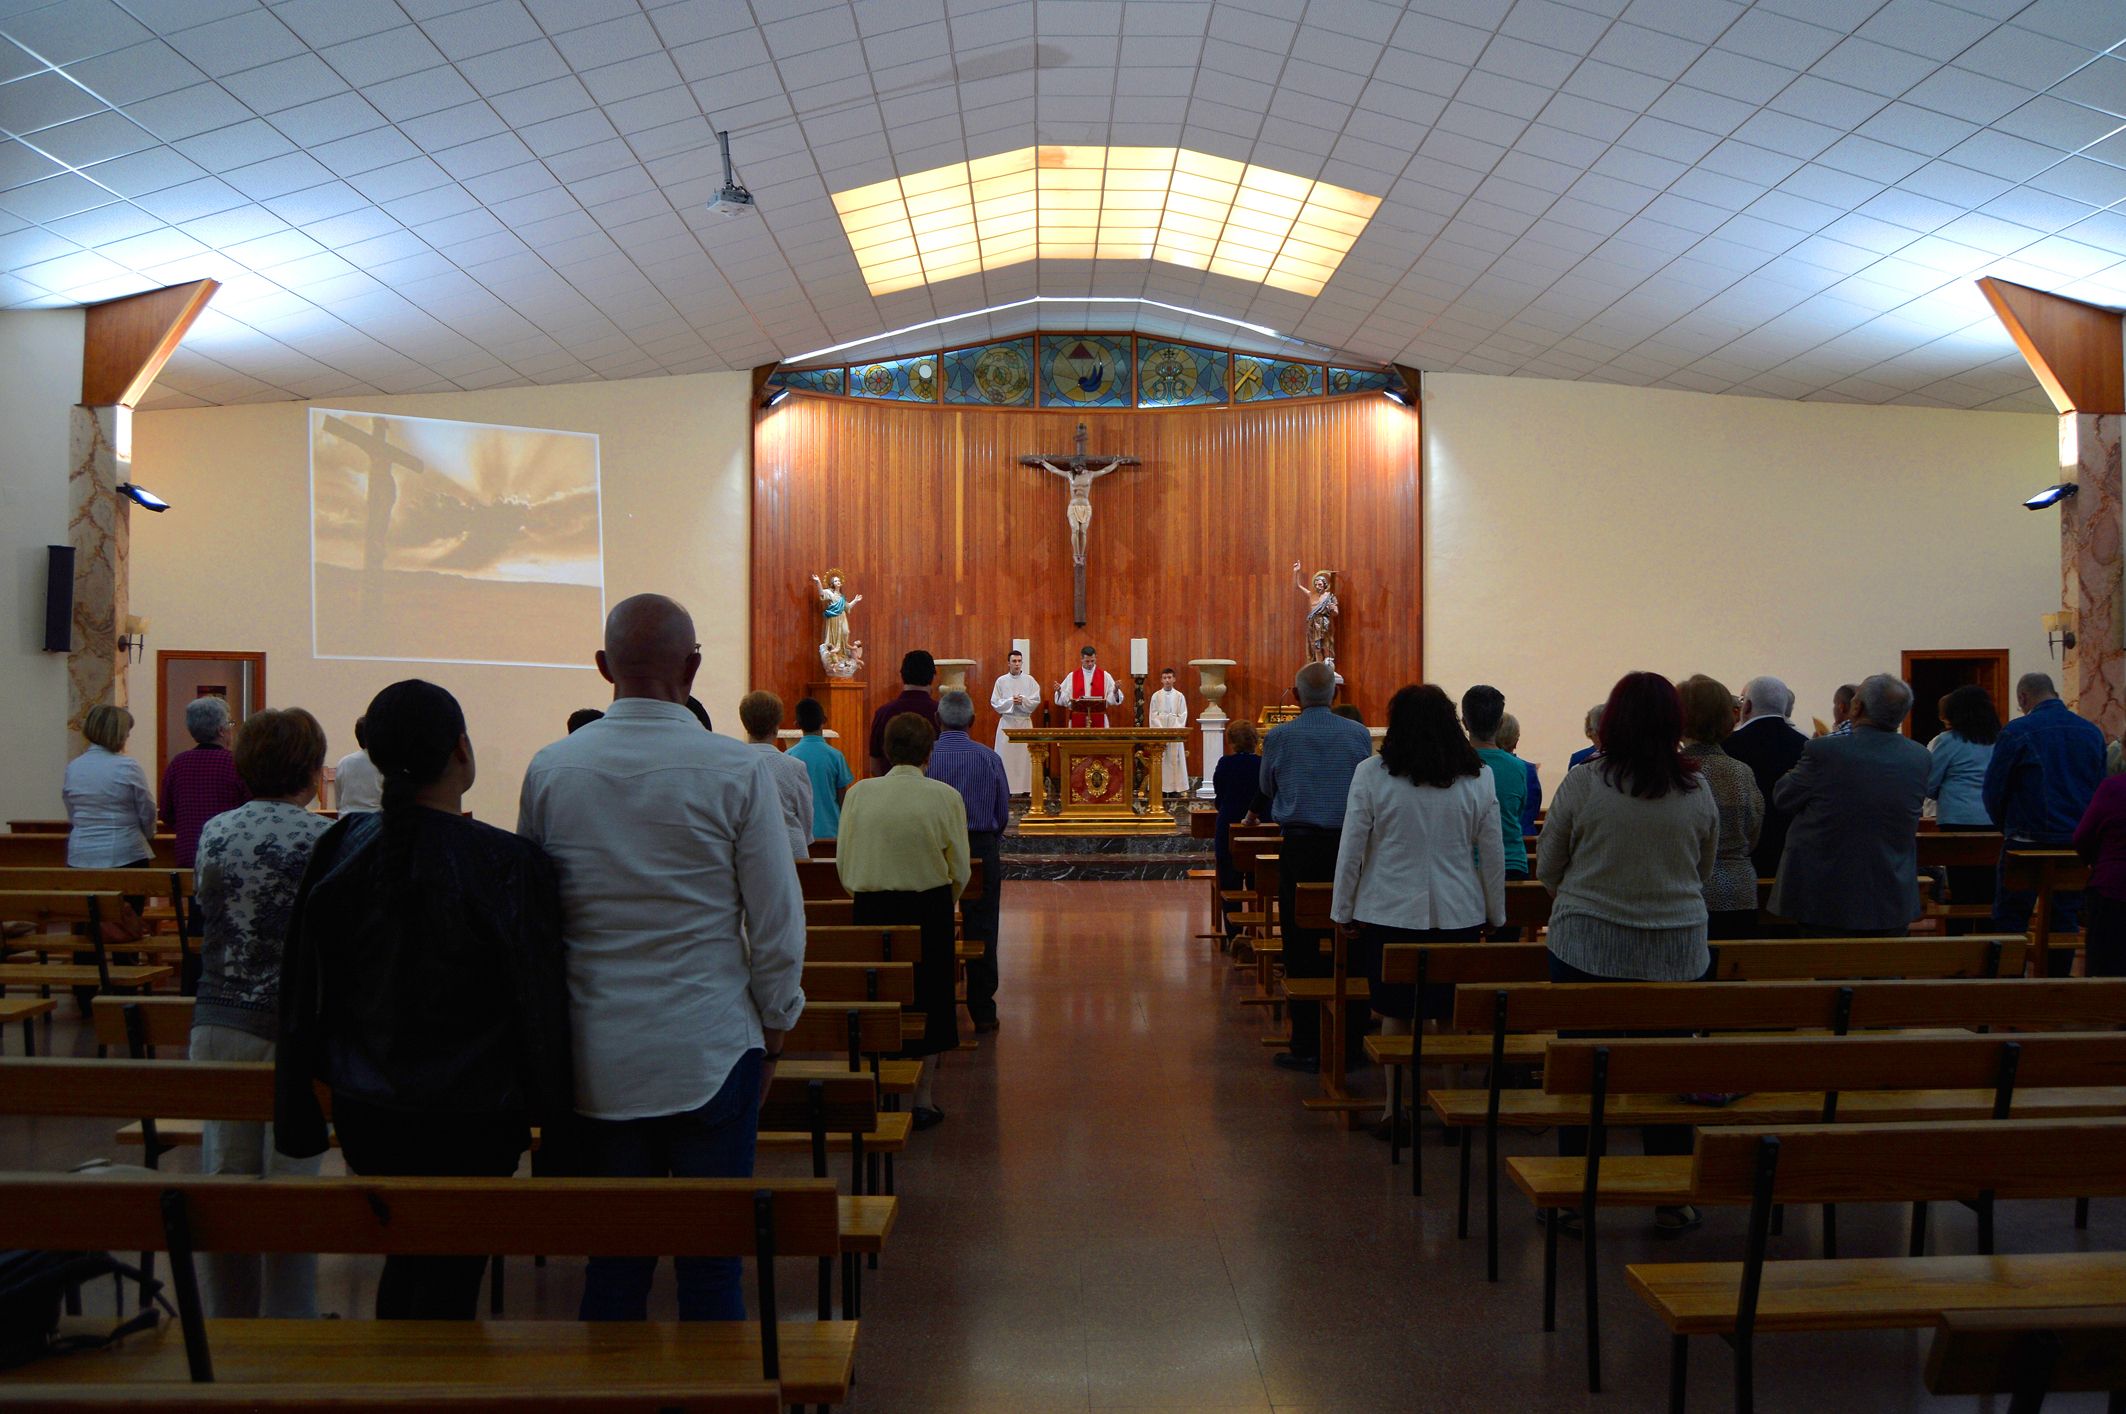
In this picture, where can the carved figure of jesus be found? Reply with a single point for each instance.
(1080, 510)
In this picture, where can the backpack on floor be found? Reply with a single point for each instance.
(35, 1285)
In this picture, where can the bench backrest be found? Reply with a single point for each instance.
(57, 906)
(841, 1101)
(1310, 906)
(1993, 1352)
(49, 851)
(1967, 955)
(829, 911)
(1527, 904)
(1742, 1064)
(1932, 1161)
(1786, 1005)
(820, 878)
(596, 1217)
(1959, 848)
(2036, 868)
(228, 1398)
(826, 942)
(823, 1029)
(157, 882)
(1466, 962)
(165, 1021)
(859, 981)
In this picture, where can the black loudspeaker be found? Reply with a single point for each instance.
(58, 598)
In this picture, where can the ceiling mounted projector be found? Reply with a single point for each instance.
(733, 199)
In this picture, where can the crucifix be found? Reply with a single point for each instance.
(1078, 471)
(383, 479)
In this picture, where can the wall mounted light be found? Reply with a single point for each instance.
(1396, 393)
(775, 396)
(142, 496)
(133, 642)
(2052, 495)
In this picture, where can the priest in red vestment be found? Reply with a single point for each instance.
(1089, 682)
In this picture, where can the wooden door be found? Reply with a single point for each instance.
(238, 678)
(1936, 672)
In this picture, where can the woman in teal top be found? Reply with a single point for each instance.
(1961, 752)
(1483, 713)
(1955, 781)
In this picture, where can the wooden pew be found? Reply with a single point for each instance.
(1695, 1006)
(1969, 955)
(182, 1214)
(2028, 1355)
(830, 912)
(897, 942)
(1766, 1166)
(859, 982)
(1986, 1071)
(820, 879)
(1333, 994)
(857, 1035)
(2045, 872)
(86, 907)
(501, 1398)
(49, 851)
(176, 885)
(40, 827)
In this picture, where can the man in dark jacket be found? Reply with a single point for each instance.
(1767, 743)
(2046, 765)
(1851, 866)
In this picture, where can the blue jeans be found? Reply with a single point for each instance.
(714, 1141)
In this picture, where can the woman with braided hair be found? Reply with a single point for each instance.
(425, 986)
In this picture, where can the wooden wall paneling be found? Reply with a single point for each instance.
(958, 549)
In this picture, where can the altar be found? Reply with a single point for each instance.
(1107, 779)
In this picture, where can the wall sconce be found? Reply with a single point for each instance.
(134, 641)
(2059, 629)
(775, 396)
(142, 496)
(2051, 495)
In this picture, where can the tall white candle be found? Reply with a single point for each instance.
(1140, 657)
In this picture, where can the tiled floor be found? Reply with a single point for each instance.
(1128, 1209)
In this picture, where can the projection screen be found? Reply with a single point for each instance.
(454, 542)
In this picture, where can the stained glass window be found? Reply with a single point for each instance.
(992, 375)
(1179, 375)
(1257, 380)
(1085, 370)
(900, 380)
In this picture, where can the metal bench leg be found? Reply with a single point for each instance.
(494, 1285)
(1678, 1372)
(1461, 1212)
(1395, 1117)
(2081, 1213)
(1919, 1231)
(1552, 1217)
(29, 1048)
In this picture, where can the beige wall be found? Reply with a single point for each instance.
(1577, 531)
(40, 380)
(228, 567)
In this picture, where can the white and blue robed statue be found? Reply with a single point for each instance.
(835, 653)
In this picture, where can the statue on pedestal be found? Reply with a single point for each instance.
(1322, 610)
(838, 656)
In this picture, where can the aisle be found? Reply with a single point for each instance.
(1127, 1208)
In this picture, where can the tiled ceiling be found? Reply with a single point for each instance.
(1788, 198)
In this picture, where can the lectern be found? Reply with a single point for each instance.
(1096, 792)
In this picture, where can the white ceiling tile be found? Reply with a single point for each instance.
(242, 41)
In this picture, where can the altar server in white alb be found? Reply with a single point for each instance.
(1170, 709)
(1013, 699)
(1089, 681)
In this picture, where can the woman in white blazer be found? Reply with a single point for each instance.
(1422, 859)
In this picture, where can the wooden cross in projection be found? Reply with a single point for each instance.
(383, 481)
(1078, 471)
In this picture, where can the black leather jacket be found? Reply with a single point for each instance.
(448, 994)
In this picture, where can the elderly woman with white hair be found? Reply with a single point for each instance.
(202, 782)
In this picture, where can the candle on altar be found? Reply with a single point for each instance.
(1140, 657)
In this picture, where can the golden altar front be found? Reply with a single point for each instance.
(1106, 779)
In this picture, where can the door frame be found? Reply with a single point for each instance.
(162, 689)
(1996, 683)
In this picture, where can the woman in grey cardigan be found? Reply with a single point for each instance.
(1627, 849)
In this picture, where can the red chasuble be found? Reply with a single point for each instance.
(1101, 685)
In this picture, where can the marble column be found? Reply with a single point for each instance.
(99, 527)
(2092, 525)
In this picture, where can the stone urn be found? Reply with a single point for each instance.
(1210, 675)
(952, 674)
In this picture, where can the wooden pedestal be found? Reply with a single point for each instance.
(844, 700)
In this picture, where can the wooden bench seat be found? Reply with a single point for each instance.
(180, 1214)
(1459, 1048)
(130, 977)
(507, 1398)
(866, 1221)
(817, 1358)
(1875, 1293)
(2005, 1159)
(1531, 1109)
(26, 1010)
(891, 1136)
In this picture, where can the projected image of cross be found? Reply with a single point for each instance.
(383, 479)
